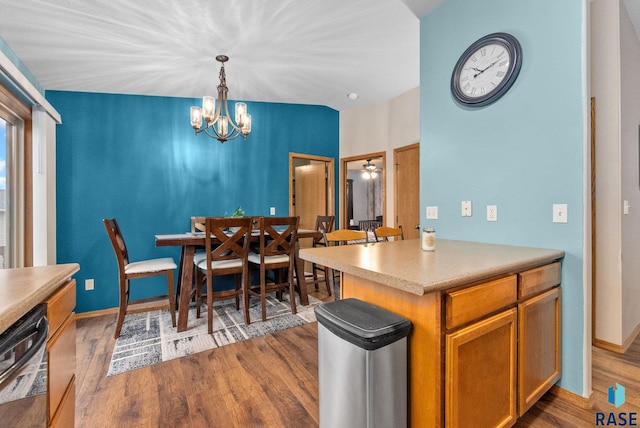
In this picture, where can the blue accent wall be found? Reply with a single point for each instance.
(136, 158)
(523, 153)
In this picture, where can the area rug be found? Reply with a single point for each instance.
(149, 338)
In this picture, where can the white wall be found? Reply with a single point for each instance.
(630, 175)
(615, 66)
(605, 87)
(381, 127)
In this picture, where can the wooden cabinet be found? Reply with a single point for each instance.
(480, 378)
(538, 347)
(61, 356)
(481, 364)
(479, 355)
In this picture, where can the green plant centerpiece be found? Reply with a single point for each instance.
(238, 212)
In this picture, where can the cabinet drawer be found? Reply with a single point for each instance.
(60, 305)
(61, 354)
(65, 416)
(537, 280)
(471, 303)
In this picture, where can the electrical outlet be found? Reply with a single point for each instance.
(492, 213)
(88, 284)
(272, 211)
(432, 213)
(560, 213)
(466, 208)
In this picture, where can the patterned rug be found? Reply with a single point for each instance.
(149, 338)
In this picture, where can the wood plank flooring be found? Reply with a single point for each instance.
(269, 381)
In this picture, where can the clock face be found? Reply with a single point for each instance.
(486, 70)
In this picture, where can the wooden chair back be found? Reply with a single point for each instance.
(386, 232)
(117, 242)
(324, 224)
(197, 224)
(345, 236)
(278, 235)
(227, 238)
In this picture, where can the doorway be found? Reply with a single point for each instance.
(311, 190)
(407, 189)
(363, 189)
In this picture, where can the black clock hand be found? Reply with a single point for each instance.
(482, 71)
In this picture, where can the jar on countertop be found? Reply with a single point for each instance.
(428, 239)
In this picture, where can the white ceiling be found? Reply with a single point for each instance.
(290, 51)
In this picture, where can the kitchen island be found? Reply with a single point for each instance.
(485, 338)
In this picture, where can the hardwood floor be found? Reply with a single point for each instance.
(270, 381)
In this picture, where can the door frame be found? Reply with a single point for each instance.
(330, 162)
(343, 184)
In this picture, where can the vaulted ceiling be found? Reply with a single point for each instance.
(290, 51)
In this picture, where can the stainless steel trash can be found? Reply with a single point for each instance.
(362, 365)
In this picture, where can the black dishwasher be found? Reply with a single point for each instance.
(23, 371)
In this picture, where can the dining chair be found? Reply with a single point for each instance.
(278, 236)
(324, 224)
(343, 237)
(128, 270)
(227, 248)
(197, 224)
(386, 232)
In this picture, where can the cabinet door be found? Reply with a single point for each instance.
(538, 347)
(480, 370)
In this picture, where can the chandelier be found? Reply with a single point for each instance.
(217, 119)
(369, 170)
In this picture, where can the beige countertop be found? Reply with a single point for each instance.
(23, 288)
(405, 266)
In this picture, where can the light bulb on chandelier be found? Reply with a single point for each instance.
(217, 119)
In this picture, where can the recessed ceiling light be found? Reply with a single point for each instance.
(352, 96)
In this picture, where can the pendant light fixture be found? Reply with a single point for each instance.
(217, 118)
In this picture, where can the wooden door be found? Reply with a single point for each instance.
(311, 198)
(407, 189)
(311, 193)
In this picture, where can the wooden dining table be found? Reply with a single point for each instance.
(189, 241)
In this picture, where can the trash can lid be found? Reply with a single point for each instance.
(361, 323)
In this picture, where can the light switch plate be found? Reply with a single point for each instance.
(492, 213)
(560, 213)
(432, 213)
(272, 211)
(466, 209)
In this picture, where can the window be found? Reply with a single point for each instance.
(4, 251)
(14, 150)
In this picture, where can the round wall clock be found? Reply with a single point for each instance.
(486, 70)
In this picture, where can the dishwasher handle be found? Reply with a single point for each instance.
(39, 329)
